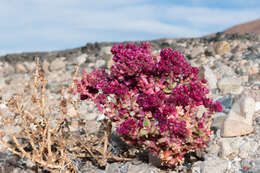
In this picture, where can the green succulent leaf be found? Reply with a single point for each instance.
(167, 90)
(146, 123)
(174, 84)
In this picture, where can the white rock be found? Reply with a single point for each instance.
(82, 58)
(233, 128)
(243, 110)
(230, 84)
(58, 64)
(240, 118)
(100, 63)
(106, 50)
(229, 146)
(257, 106)
(2, 83)
(209, 75)
(195, 52)
(214, 166)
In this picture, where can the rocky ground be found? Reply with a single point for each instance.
(231, 64)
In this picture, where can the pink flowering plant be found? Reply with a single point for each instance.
(153, 100)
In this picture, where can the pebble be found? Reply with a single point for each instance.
(100, 63)
(221, 47)
(20, 68)
(196, 52)
(214, 166)
(58, 64)
(233, 128)
(82, 58)
(230, 85)
(209, 75)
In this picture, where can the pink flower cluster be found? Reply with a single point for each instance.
(154, 100)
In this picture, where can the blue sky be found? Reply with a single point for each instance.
(40, 25)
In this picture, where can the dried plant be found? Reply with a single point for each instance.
(41, 132)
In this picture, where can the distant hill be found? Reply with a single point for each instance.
(253, 26)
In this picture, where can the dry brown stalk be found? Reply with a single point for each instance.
(53, 147)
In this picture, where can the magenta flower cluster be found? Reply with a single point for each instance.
(154, 100)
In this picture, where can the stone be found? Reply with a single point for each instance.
(100, 63)
(197, 51)
(257, 120)
(221, 70)
(209, 75)
(82, 58)
(58, 64)
(257, 106)
(141, 168)
(230, 84)
(225, 149)
(243, 110)
(2, 83)
(92, 126)
(226, 101)
(229, 147)
(210, 51)
(233, 128)
(221, 47)
(113, 168)
(106, 50)
(45, 66)
(214, 166)
(218, 120)
(30, 66)
(255, 168)
(245, 149)
(20, 68)
(6, 69)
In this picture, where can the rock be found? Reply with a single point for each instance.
(240, 118)
(226, 101)
(230, 85)
(5, 69)
(141, 168)
(243, 110)
(222, 70)
(92, 126)
(257, 106)
(255, 168)
(257, 120)
(100, 63)
(210, 51)
(214, 166)
(247, 148)
(113, 168)
(106, 50)
(218, 120)
(221, 47)
(229, 148)
(195, 52)
(58, 64)
(232, 128)
(20, 68)
(45, 66)
(2, 83)
(30, 66)
(82, 58)
(209, 75)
